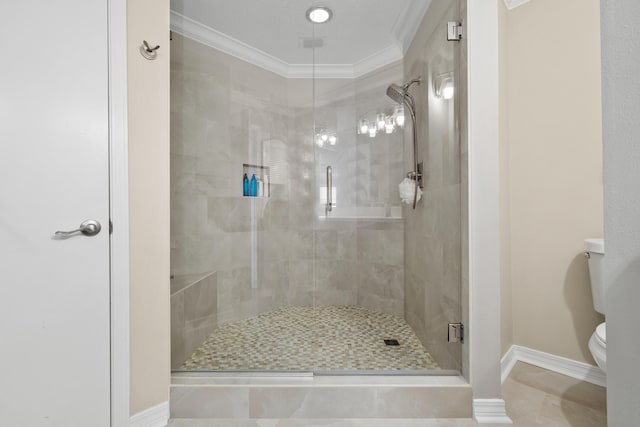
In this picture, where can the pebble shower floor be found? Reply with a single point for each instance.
(305, 338)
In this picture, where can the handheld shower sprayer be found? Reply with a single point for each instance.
(401, 95)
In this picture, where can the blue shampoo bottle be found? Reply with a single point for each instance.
(245, 185)
(253, 186)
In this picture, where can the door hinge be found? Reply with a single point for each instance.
(454, 31)
(456, 332)
(110, 227)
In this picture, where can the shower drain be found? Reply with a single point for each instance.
(391, 342)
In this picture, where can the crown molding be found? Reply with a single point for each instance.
(377, 80)
(512, 4)
(322, 71)
(408, 22)
(194, 30)
(381, 58)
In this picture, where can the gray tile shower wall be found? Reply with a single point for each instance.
(275, 251)
(194, 314)
(225, 114)
(434, 233)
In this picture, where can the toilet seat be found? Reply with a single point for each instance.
(598, 346)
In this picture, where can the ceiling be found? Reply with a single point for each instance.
(363, 35)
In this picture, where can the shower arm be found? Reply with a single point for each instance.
(408, 85)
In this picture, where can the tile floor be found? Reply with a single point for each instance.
(534, 397)
(305, 338)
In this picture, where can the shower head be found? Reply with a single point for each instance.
(401, 95)
(397, 93)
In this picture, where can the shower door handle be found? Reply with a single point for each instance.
(329, 205)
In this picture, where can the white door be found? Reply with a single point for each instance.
(54, 174)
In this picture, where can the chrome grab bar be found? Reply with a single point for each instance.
(329, 206)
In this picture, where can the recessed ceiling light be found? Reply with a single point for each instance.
(319, 14)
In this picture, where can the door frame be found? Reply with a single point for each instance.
(484, 280)
(119, 211)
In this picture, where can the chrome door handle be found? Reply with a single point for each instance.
(329, 206)
(89, 227)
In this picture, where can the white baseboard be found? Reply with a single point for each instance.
(559, 364)
(156, 416)
(508, 362)
(490, 411)
(512, 4)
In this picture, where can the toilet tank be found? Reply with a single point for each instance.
(595, 250)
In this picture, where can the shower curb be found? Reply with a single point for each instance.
(320, 397)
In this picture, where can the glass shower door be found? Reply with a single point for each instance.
(359, 280)
(291, 248)
(241, 199)
(434, 232)
(387, 278)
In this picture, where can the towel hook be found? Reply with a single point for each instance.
(149, 52)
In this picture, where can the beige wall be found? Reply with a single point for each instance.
(149, 203)
(553, 180)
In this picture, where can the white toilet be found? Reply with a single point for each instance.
(598, 341)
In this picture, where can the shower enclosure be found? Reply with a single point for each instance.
(291, 249)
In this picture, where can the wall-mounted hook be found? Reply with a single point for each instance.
(149, 52)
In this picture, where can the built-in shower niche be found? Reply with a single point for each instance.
(263, 180)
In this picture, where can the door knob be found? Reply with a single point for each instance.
(89, 227)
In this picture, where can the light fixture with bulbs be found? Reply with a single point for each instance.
(363, 126)
(389, 124)
(443, 86)
(380, 120)
(382, 123)
(323, 137)
(319, 14)
(398, 115)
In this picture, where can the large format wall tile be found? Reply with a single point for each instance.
(178, 353)
(206, 402)
(194, 314)
(311, 403)
(201, 299)
(318, 402)
(433, 238)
